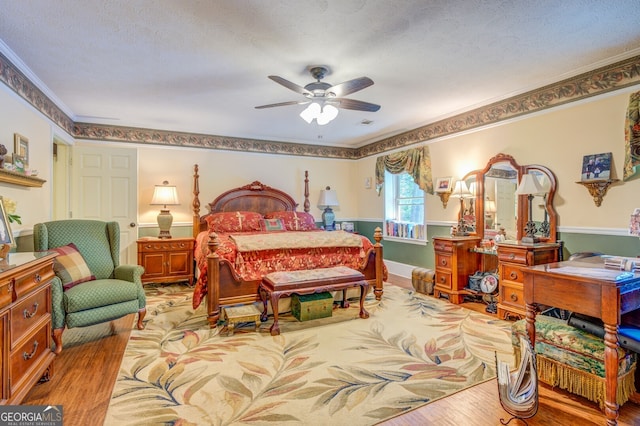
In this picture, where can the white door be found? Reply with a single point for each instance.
(104, 187)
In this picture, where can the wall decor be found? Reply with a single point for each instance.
(21, 147)
(443, 184)
(596, 167)
(6, 236)
(18, 163)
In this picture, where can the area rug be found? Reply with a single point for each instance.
(342, 370)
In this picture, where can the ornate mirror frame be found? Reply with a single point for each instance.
(477, 205)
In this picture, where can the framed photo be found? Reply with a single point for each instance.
(443, 184)
(18, 163)
(6, 236)
(596, 167)
(21, 147)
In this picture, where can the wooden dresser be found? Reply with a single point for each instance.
(455, 261)
(512, 258)
(166, 260)
(25, 323)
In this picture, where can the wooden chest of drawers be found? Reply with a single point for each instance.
(512, 258)
(166, 260)
(25, 323)
(455, 261)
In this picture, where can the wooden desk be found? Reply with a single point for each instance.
(585, 287)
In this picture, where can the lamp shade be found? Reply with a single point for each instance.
(165, 195)
(490, 206)
(460, 190)
(328, 198)
(529, 185)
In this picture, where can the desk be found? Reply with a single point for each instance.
(585, 287)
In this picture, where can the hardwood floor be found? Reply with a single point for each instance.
(85, 373)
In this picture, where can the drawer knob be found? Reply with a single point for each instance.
(513, 275)
(443, 279)
(37, 278)
(514, 297)
(26, 314)
(27, 356)
(443, 262)
(512, 256)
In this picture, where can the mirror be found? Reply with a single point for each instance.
(496, 204)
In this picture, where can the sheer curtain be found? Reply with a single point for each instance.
(416, 162)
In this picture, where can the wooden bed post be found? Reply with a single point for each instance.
(213, 276)
(196, 202)
(307, 204)
(377, 236)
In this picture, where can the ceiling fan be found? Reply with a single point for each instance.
(323, 97)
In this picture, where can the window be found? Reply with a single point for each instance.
(404, 207)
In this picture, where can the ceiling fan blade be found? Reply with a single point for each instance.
(290, 85)
(354, 104)
(283, 104)
(350, 86)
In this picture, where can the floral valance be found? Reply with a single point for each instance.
(632, 137)
(416, 162)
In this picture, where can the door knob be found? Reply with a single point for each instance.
(132, 225)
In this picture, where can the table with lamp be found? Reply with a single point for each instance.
(165, 258)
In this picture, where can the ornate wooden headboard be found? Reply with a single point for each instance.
(254, 197)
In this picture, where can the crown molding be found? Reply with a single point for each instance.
(602, 80)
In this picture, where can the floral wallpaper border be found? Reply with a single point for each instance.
(602, 80)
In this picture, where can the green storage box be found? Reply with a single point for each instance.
(311, 306)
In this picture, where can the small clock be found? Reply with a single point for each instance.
(489, 283)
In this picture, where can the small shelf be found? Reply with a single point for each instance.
(598, 188)
(15, 178)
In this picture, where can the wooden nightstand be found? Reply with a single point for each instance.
(166, 260)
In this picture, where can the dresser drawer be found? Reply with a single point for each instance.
(32, 278)
(151, 246)
(443, 245)
(6, 292)
(511, 273)
(443, 261)
(27, 313)
(443, 280)
(513, 256)
(26, 357)
(512, 295)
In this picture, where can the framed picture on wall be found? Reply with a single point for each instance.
(21, 147)
(443, 184)
(6, 236)
(596, 167)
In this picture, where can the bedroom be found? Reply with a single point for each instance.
(557, 138)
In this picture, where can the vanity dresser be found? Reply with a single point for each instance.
(25, 323)
(493, 208)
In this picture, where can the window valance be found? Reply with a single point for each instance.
(416, 162)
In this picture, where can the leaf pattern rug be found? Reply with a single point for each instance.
(342, 370)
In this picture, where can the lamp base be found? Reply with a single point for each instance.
(328, 218)
(165, 219)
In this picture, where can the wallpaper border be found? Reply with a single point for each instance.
(599, 81)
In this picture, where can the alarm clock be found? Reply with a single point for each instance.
(489, 283)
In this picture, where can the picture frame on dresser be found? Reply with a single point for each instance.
(6, 236)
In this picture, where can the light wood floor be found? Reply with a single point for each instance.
(84, 377)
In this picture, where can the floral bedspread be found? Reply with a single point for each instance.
(253, 265)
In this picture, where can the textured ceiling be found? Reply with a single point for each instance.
(202, 66)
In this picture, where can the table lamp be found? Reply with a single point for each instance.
(460, 190)
(529, 186)
(165, 195)
(328, 199)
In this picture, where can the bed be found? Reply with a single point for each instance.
(255, 229)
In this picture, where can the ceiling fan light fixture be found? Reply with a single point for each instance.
(311, 112)
(329, 112)
(322, 115)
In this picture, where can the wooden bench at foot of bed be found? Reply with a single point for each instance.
(278, 284)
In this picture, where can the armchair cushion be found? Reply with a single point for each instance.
(71, 267)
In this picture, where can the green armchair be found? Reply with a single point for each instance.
(112, 291)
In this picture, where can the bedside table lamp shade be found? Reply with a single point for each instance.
(529, 186)
(328, 198)
(165, 195)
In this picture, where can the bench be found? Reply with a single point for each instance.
(285, 283)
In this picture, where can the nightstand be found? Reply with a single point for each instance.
(166, 260)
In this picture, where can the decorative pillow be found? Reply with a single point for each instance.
(294, 221)
(70, 266)
(235, 222)
(273, 225)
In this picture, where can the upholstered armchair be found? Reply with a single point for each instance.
(90, 286)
